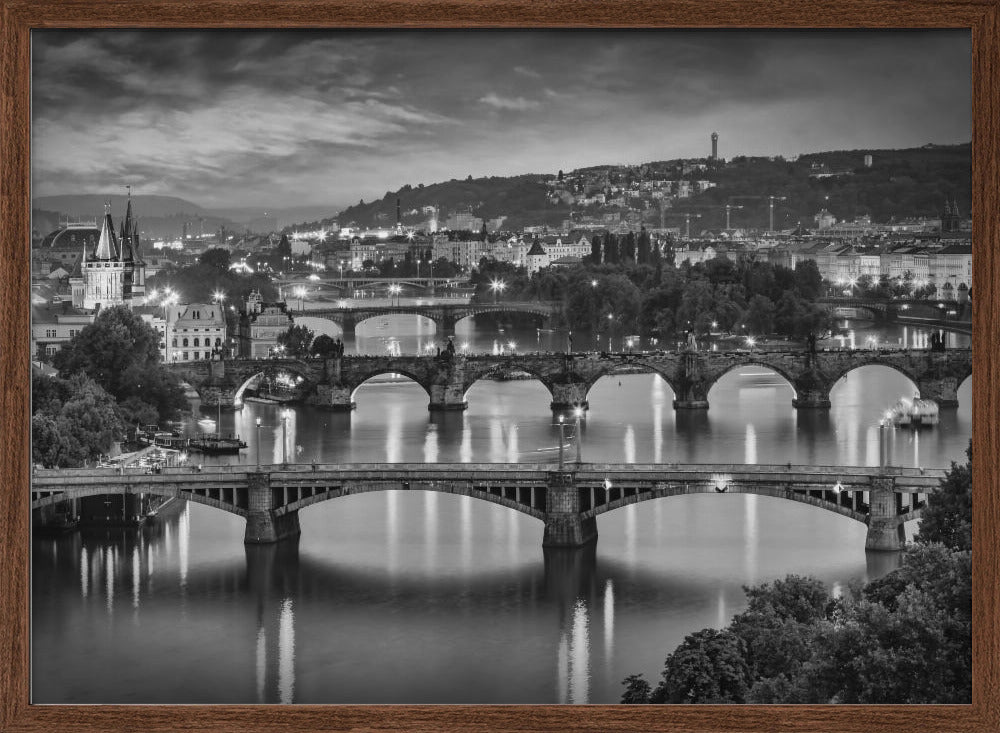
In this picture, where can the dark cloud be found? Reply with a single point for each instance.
(285, 117)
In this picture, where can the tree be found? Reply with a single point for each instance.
(708, 667)
(81, 428)
(637, 690)
(948, 516)
(296, 340)
(120, 352)
(759, 317)
(217, 258)
(323, 346)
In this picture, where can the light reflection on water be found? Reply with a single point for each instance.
(412, 597)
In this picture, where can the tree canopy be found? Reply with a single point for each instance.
(120, 353)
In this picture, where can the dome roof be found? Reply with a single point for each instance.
(73, 237)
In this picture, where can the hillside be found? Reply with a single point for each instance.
(900, 184)
(521, 198)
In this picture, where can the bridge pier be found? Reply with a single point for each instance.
(691, 392)
(218, 396)
(885, 532)
(263, 525)
(564, 527)
(944, 391)
(811, 399)
(333, 397)
(568, 396)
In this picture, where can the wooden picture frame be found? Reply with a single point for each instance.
(19, 17)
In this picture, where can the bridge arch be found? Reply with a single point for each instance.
(618, 370)
(363, 320)
(320, 325)
(837, 376)
(378, 372)
(265, 367)
(213, 497)
(500, 495)
(752, 360)
(626, 497)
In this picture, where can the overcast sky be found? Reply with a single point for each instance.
(284, 118)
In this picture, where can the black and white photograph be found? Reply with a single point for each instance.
(620, 367)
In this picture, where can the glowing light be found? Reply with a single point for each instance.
(593, 283)
(721, 481)
(837, 488)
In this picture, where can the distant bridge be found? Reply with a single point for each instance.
(928, 313)
(333, 382)
(444, 315)
(568, 501)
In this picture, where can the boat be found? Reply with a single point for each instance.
(215, 443)
(914, 413)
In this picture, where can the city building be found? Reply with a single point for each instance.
(537, 258)
(260, 325)
(193, 332)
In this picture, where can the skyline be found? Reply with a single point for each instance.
(296, 118)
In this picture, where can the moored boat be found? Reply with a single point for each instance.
(914, 413)
(215, 443)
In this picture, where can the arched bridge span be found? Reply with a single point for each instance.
(569, 377)
(567, 501)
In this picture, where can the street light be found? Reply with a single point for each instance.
(496, 285)
(611, 325)
(300, 293)
(285, 414)
(258, 443)
(578, 413)
(394, 290)
(562, 439)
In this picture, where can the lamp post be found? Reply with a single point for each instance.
(284, 436)
(611, 325)
(258, 444)
(496, 285)
(578, 413)
(562, 439)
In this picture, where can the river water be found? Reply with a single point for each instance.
(400, 597)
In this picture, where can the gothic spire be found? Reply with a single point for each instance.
(107, 247)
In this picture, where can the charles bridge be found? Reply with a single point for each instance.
(332, 383)
(567, 498)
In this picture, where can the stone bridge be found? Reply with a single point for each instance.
(568, 501)
(568, 377)
(445, 316)
(933, 313)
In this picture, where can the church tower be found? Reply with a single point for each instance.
(112, 273)
(134, 284)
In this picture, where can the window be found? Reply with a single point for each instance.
(50, 350)
(174, 343)
(185, 356)
(196, 341)
(218, 341)
(185, 343)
